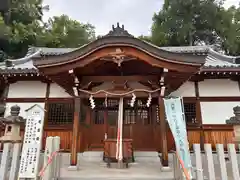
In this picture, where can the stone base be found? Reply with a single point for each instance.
(116, 165)
(236, 139)
(73, 168)
(166, 169)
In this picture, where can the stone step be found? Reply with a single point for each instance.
(96, 147)
(135, 172)
(113, 178)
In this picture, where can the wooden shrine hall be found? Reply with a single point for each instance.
(81, 88)
(118, 65)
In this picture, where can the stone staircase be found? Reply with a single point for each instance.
(114, 178)
(91, 166)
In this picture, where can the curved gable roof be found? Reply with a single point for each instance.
(118, 36)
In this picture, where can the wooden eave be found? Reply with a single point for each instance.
(220, 69)
(60, 73)
(129, 45)
(109, 49)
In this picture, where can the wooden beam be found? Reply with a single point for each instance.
(46, 105)
(93, 85)
(76, 127)
(215, 99)
(239, 85)
(86, 79)
(83, 95)
(199, 114)
(163, 126)
(5, 92)
(25, 100)
(147, 84)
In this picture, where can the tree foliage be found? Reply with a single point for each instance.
(178, 23)
(231, 32)
(64, 32)
(191, 22)
(23, 26)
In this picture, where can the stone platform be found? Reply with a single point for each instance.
(146, 166)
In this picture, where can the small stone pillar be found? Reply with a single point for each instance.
(11, 139)
(235, 121)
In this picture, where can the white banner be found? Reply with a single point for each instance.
(177, 124)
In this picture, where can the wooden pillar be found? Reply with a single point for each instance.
(163, 126)
(46, 106)
(76, 127)
(199, 115)
(105, 116)
(239, 85)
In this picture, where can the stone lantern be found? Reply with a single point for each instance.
(235, 121)
(13, 123)
(11, 144)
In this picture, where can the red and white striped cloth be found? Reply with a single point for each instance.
(119, 152)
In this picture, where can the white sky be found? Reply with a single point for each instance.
(136, 15)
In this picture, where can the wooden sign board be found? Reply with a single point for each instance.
(29, 164)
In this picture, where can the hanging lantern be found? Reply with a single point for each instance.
(92, 103)
(133, 100)
(149, 100)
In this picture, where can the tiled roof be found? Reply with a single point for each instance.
(54, 51)
(187, 49)
(217, 60)
(177, 49)
(25, 64)
(212, 62)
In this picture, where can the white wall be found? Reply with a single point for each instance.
(35, 89)
(218, 87)
(57, 92)
(186, 90)
(217, 112)
(212, 112)
(27, 89)
(23, 106)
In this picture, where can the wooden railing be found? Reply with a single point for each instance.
(213, 134)
(220, 165)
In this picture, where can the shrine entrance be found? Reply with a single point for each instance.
(140, 123)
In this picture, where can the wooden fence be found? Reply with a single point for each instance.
(212, 165)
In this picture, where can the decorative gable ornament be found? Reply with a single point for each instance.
(118, 31)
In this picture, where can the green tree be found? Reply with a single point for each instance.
(24, 26)
(145, 38)
(231, 31)
(187, 22)
(23, 20)
(191, 22)
(5, 34)
(64, 32)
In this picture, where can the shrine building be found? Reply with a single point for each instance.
(61, 80)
